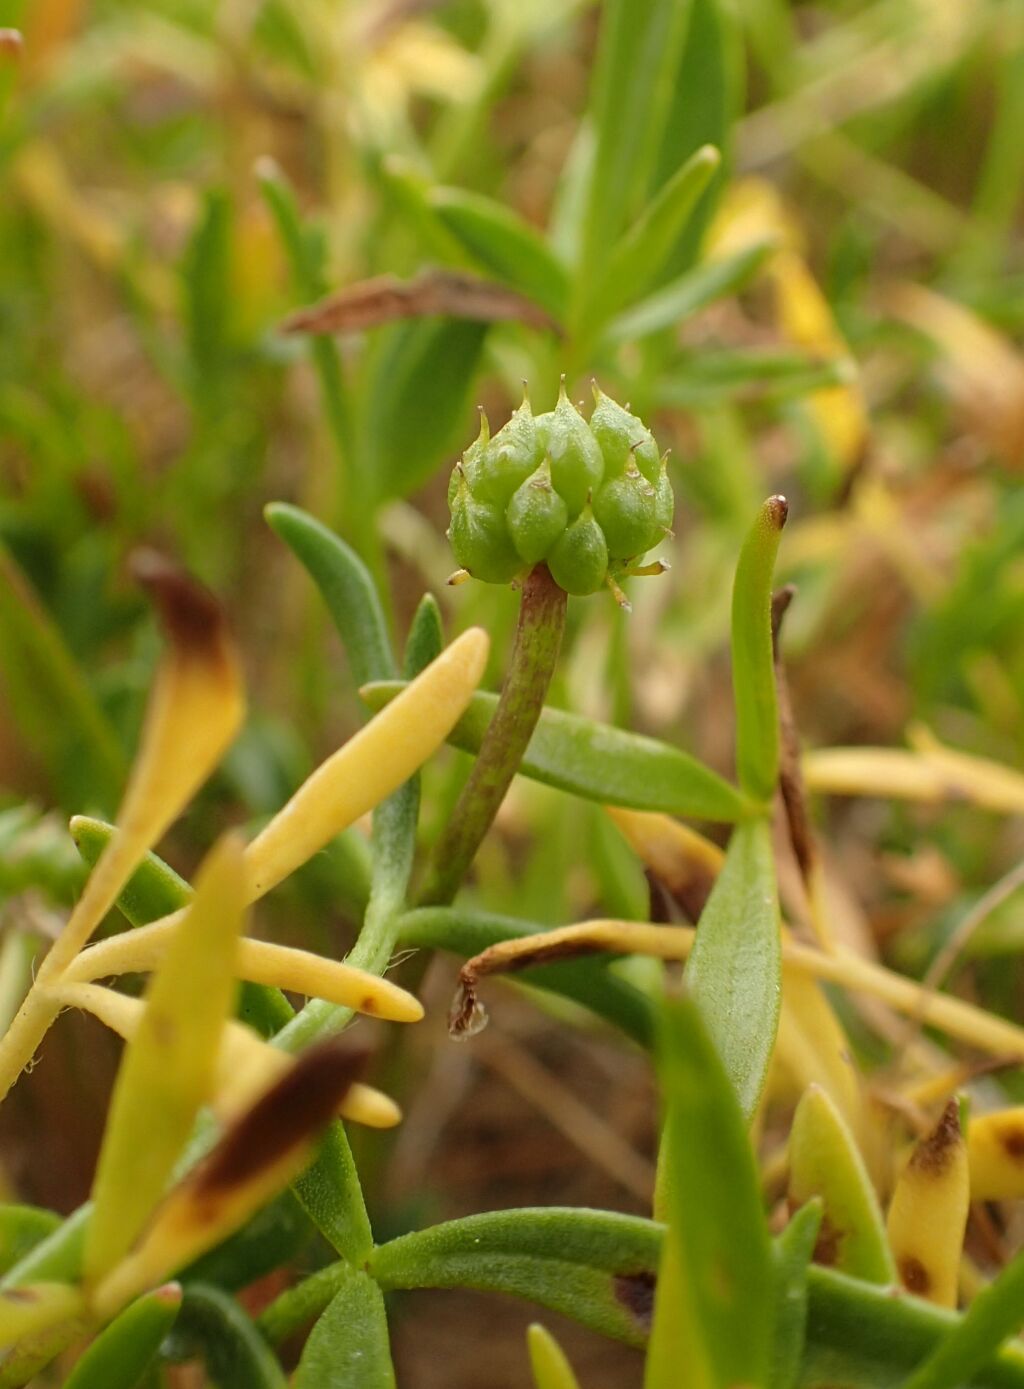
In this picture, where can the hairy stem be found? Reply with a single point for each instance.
(538, 638)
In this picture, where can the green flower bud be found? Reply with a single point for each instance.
(536, 516)
(625, 511)
(579, 559)
(576, 463)
(622, 437)
(479, 539)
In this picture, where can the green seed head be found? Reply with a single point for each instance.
(587, 499)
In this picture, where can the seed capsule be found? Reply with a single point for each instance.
(499, 465)
(579, 559)
(536, 516)
(480, 541)
(576, 462)
(625, 510)
(621, 436)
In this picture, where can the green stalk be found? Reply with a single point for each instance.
(534, 653)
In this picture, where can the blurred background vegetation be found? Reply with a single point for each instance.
(838, 323)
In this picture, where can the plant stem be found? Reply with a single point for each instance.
(538, 638)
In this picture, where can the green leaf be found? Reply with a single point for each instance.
(593, 1266)
(770, 374)
(707, 101)
(167, 1071)
(863, 1336)
(298, 1305)
(22, 1228)
(824, 1162)
(51, 700)
(349, 1345)
(637, 58)
(506, 245)
(274, 1236)
(753, 666)
(693, 290)
(587, 982)
(735, 969)
(55, 1259)
(206, 273)
(345, 586)
(153, 891)
(330, 1194)
(643, 250)
(597, 761)
(793, 1251)
(993, 1316)
(713, 1309)
(418, 399)
(213, 1325)
(121, 1354)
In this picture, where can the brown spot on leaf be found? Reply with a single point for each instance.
(828, 1244)
(1012, 1140)
(636, 1293)
(293, 1110)
(777, 508)
(23, 1296)
(914, 1275)
(190, 615)
(367, 1004)
(937, 1149)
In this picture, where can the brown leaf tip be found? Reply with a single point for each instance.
(292, 1111)
(777, 508)
(635, 1291)
(1012, 1140)
(190, 615)
(937, 1149)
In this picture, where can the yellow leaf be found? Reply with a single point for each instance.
(550, 1365)
(261, 1152)
(169, 1068)
(928, 1213)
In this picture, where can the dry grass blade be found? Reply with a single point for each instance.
(435, 293)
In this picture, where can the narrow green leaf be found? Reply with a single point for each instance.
(863, 1336)
(122, 1353)
(153, 891)
(206, 273)
(298, 1305)
(993, 1316)
(587, 982)
(22, 1228)
(548, 1361)
(753, 667)
(643, 250)
(55, 1259)
(505, 245)
(417, 401)
(637, 57)
(793, 1251)
(212, 1324)
(593, 1266)
(692, 291)
(597, 761)
(349, 1345)
(168, 1068)
(706, 103)
(749, 373)
(734, 973)
(274, 1236)
(345, 586)
(51, 700)
(330, 1194)
(824, 1162)
(714, 1310)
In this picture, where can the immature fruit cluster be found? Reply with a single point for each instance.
(588, 499)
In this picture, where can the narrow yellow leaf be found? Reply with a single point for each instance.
(931, 773)
(928, 1212)
(35, 1308)
(261, 1152)
(372, 764)
(549, 1362)
(246, 1064)
(169, 1068)
(261, 962)
(195, 708)
(995, 1151)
